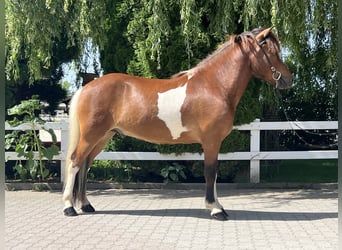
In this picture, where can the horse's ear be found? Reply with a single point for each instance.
(263, 34)
(237, 39)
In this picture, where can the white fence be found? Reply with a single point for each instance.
(254, 155)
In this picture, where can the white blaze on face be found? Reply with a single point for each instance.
(169, 110)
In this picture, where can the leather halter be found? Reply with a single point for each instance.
(276, 75)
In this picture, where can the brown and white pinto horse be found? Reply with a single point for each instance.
(194, 106)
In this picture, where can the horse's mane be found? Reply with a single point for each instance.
(231, 40)
(228, 42)
(222, 47)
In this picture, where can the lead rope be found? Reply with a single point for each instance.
(316, 146)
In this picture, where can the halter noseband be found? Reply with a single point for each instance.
(276, 75)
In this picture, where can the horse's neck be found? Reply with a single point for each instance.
(237, 84)
(233, 74)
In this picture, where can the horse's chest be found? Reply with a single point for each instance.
(169, 105)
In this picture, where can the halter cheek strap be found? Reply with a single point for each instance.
(276, 75)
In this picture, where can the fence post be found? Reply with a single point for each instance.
(64, 148)
(255, 149)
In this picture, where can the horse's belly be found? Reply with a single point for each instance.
(158, 133)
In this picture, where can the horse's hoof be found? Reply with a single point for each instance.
(88, 208)
(70, 211)
(225, 213)
(222, 216)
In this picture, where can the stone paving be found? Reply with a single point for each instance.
(174, 219)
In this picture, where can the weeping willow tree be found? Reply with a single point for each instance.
(154, 32)
(33, 28)
(157, 38)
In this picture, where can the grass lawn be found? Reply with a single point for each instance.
(309, 171)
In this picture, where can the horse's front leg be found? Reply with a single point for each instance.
(210, 171)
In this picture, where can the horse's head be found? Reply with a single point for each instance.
(264, 55)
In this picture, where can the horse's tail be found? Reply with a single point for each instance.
(74, 136)
(74, 132)
(79, 185)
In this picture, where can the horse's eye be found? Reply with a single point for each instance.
(262, 43)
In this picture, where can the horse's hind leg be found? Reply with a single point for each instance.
(68, 190)
(85, 204)
(76, 171)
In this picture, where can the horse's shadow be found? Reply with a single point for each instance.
(235, 215)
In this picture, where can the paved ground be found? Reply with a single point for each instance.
(174, 219)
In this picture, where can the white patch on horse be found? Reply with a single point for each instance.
(169, 110)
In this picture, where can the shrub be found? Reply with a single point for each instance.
(25, 143)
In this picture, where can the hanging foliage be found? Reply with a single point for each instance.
(33, 28)
(160, 37)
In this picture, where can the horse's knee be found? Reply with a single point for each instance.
(210, 171)
(210, 176)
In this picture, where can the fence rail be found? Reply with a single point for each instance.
(254, 155)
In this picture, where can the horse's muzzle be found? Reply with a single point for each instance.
(284, 82)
